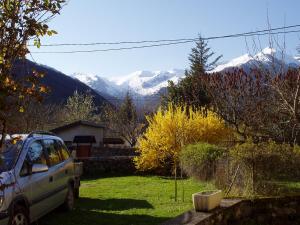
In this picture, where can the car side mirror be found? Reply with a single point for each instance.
(38, 168)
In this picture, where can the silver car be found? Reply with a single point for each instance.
(36, 176)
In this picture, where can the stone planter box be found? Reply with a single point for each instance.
(206, 201)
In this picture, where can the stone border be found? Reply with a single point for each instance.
(263, 211)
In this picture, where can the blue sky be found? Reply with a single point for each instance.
(130, 20)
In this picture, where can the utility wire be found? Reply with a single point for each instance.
(167, 40)
(163, 44)
(113, 49)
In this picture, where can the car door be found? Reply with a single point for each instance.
(36, 185)
(66, 164)
(57, 171)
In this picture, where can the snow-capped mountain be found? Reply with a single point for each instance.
(268, 58)
(144, 84)
(98, 83)
(141, 83)
(149, 82)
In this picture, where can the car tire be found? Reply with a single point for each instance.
(19, 216)
(70, 200)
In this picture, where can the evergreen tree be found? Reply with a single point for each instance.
(127, 111)
(201, 58)
(190, 90)
(124, 120)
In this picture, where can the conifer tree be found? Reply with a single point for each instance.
(190, 90)
(201, 58)
(127, 111)
(125, 120)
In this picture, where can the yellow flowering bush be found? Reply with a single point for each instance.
(171, 129)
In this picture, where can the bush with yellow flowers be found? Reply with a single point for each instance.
(171, 129)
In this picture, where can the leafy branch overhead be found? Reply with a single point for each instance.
(20, 22)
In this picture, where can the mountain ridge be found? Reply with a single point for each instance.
(140, 83)
(146, 83)
(61, 86)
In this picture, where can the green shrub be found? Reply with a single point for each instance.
(269, 159)
(260, 168)
(199, 160)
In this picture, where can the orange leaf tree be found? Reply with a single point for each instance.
(20, 22)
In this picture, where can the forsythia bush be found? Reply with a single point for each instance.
(170, 130)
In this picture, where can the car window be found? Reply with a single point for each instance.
(36, 154)
(62, 149)
(9, 155)
(53, 154)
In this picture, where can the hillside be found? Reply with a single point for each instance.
(61, 86)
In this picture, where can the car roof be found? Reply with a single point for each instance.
(30, 137)
(42, 136)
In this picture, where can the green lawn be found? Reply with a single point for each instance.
(127, 200)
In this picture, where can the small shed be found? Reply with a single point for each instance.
(82, 135)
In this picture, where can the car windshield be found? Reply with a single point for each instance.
(9, 155)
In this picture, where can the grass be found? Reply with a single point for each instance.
(128, 200)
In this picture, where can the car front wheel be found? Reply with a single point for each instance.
(19, 216)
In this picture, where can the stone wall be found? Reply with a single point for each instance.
(110, 151)
(266, 211)
(109, 164)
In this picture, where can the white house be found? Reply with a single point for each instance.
(81, 130)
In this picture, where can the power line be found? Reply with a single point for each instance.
(165, 44)
(112, 49)
(167, 40)
(114, 43)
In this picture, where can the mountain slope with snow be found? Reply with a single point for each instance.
(142, 83)
(99, 84)
(268, 58)
(148, 83)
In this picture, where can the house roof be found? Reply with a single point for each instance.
(84, 139)
(77, 123)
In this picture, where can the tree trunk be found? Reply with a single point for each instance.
(3, 133)
(182, 182)
(175, 179)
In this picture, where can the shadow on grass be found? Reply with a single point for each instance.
(96, 211)
(113, 204)
(89, 177)
(86, 217)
